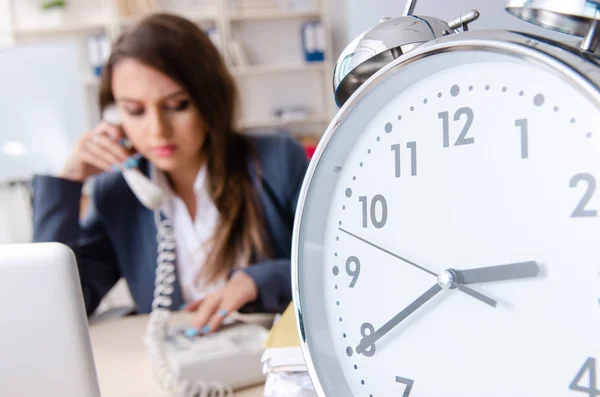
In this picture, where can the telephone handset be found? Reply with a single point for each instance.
(180, 361)
(149, 194)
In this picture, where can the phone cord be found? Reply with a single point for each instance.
(168, 379)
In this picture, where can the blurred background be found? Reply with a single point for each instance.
(281, 52)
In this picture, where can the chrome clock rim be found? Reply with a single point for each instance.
(583, 73)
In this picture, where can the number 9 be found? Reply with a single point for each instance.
(353, 272)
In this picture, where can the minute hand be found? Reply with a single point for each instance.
(474, 294)
(511, 271)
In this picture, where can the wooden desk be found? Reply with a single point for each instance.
(121, 361)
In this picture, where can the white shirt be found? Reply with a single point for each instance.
(191, 235)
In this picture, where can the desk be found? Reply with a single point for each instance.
(121, 361)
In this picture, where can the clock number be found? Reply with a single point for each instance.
(353, 272)
(580, 211)
(369, 351)
(408, 383)
(377, 222)
(590, 367)
(462, 139)
(412, 146)
(446, 125)
(522, 123)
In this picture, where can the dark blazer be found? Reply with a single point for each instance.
(117, 238)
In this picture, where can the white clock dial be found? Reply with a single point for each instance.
(477, 165)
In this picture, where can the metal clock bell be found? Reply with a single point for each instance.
(447, 235)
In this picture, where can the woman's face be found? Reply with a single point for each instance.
(158, 116)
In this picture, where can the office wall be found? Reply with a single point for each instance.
(53, 70)
(362, 14)
(338, 19)
(42, 106)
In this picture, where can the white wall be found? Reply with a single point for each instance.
(42, 106)
(338, 19)
(362, 14)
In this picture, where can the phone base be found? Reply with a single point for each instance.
(232, 356)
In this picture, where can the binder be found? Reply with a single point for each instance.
(313, 41)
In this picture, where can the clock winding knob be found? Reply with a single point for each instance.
(578, 18)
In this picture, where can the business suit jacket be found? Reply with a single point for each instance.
(117, 237)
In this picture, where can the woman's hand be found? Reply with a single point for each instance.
(212, 310)
(96, 151)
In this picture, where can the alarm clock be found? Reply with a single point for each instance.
(446, 240)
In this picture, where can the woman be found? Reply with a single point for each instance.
(231, 198)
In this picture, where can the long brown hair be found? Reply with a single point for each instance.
(181, 50)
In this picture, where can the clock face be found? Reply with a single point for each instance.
(459, 161)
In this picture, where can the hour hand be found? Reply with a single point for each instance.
(511, 271)
(367, 343)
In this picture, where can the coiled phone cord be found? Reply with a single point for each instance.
(168, 379)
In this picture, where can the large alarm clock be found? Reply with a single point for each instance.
(447, 237)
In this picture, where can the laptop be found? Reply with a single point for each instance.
(45, 346)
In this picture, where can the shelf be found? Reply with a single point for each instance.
(256, 70)
(67, 29)
(194, 16)
(273, 122)
(206, 16)
(273, 15)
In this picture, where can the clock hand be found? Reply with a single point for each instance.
(477, 295)
(388, 252)
(369, 341)
(511, 271)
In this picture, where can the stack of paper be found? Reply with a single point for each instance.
(283, 362)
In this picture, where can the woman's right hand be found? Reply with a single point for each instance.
(96, 151)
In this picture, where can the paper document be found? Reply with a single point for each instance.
(283, 361)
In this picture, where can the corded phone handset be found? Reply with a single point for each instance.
(178, 361)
